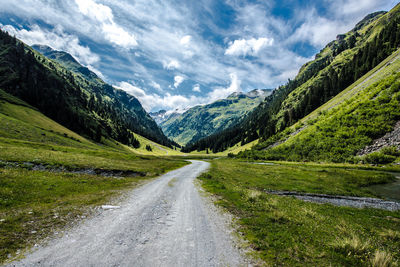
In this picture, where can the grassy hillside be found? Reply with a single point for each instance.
(51, 176)
(343, 126)
(155, 149)
(341, 63)
(201, 121)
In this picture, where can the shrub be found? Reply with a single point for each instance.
(379, 158)
(391, 151)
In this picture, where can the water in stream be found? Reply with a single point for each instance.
(390, 191)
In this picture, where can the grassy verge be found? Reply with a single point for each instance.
(72, 157)
(289, 232)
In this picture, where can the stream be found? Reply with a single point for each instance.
(389, 191)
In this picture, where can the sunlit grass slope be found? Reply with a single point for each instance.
(347, 123)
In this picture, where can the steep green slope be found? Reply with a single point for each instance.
(338, 65)
(201, 121)
(20, 121)
(342, 127)
(91, 107)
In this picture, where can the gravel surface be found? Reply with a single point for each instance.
(163, 223)
(358, 202)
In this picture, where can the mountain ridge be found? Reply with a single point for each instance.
(202, 120)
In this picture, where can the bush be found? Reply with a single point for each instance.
(379, 158)
(391, 151)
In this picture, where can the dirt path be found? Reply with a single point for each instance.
(163, 223)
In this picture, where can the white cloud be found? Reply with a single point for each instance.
(172, 64)
(151, 101)
(95, 11)
(178, 80)
(317, 30)
(249, 47)
(57, 39)
(220, 93)
(119, 36)
(185, 41)
(172, 102)
(103, 14)
(359, 7)
(156, 86)
(196, 88)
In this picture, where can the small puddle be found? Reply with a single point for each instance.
(390, 191)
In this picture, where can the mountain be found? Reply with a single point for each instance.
(361, 124)
(203, 120)
(163, 115)
(341, 63)
(68, 62)
(78, 100)
(158, 116)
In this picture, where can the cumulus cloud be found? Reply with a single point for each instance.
(196, 88)
(250, 47)
(103, 14)
(178, 80)
(150, 101)
(221, 92)
(57, 39)
(172, 64)
(186, 40)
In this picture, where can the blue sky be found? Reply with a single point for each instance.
(176, 54)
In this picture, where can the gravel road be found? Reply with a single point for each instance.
(163, 223)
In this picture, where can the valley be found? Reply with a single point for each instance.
(306, 174)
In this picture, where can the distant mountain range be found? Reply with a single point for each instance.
(184, 126)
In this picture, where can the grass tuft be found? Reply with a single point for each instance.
(351, 245)
(390, 234)
(382, 258)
